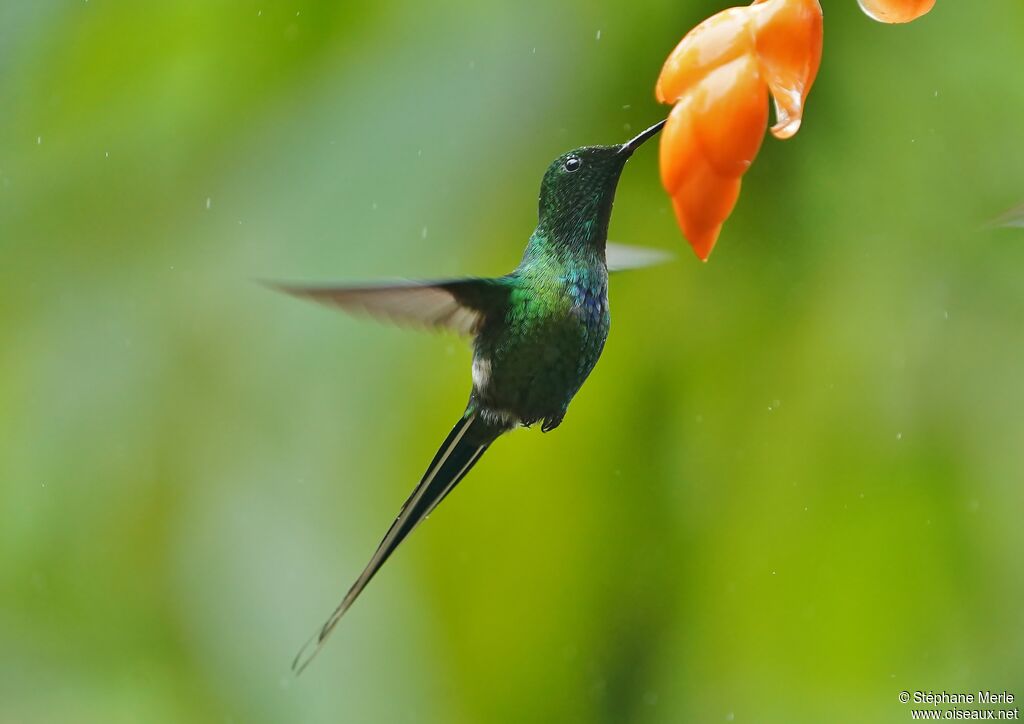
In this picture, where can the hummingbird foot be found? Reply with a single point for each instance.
(550, 423)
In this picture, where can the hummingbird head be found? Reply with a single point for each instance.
(578, 189)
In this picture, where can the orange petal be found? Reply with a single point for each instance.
(709, 142)
(702, 205)
(707, 198)
(679, 150)
(701, 239)
(789, 39)
(896, 11)
(721, 38)
(731, 108)
(720, 76)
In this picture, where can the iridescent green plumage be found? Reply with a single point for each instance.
(538, 331)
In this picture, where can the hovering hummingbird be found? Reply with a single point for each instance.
(537, 332)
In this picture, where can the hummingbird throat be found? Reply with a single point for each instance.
(582, 228)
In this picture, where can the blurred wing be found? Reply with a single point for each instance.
(459, 305)
(621, 257)
(1012, 218)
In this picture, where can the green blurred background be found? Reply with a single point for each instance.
(791, 489)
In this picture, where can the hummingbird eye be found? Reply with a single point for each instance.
(572, 164)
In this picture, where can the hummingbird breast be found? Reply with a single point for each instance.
(529, 363)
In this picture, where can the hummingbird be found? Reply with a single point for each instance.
(536, 332)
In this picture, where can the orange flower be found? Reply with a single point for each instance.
(896, 11)
(719, 77)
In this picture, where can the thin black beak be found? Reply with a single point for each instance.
(631, 145)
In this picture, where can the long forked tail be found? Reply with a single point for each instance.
(464, 445)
